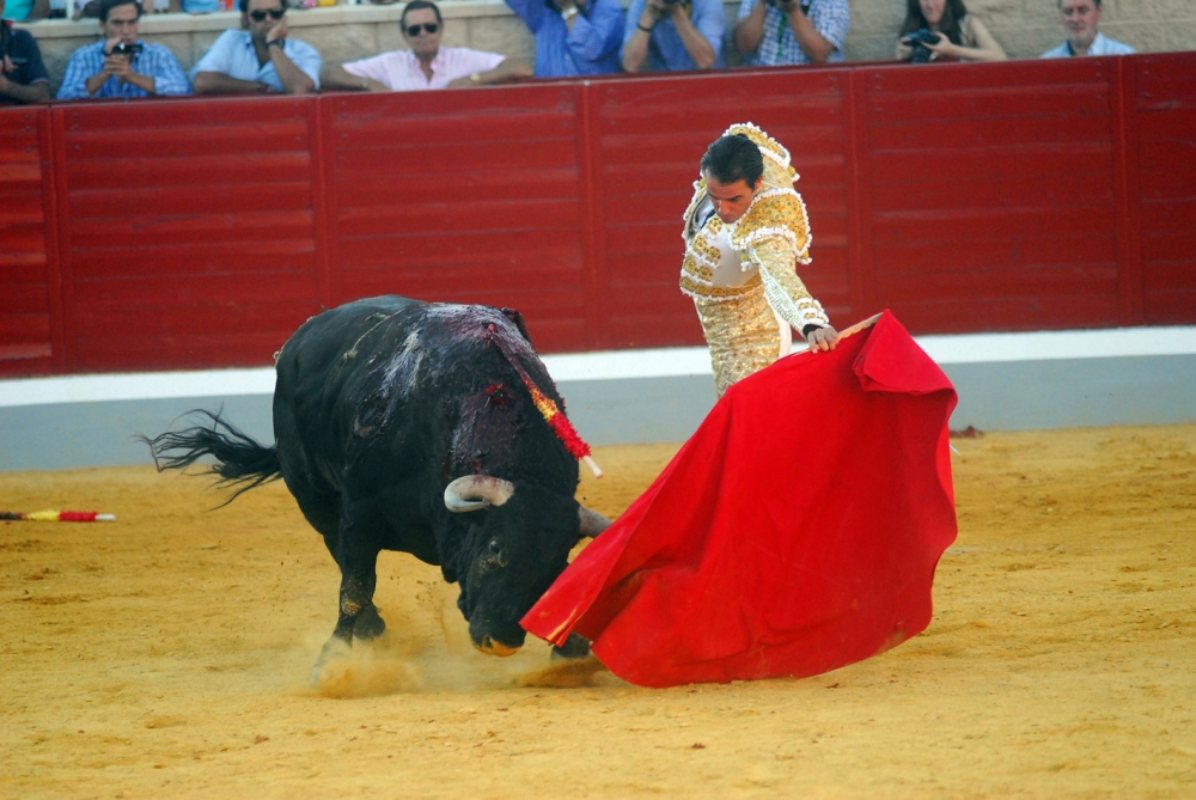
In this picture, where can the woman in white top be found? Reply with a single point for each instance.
(961, 37)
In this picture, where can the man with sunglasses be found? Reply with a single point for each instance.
(120, 65)
(426, 65)
(259, 57)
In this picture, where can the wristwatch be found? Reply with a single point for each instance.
(569, 13)
(276, 43)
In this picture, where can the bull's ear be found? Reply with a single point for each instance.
(517, 318)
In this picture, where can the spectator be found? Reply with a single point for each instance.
(791, 31)
(86, 8)
(746, 231)
(573, 37)
(120, 64)
(943, 30)
(674, 35)
(202, 6)
(23, 77)
(89, 8)
(25, 10)
(426, 65)
(260, 57)
(1081, 19)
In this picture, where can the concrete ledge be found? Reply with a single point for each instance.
(1005, 382)
(347, 32)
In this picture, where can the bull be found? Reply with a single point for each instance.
(409, 426)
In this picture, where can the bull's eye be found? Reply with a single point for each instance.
(494, 556)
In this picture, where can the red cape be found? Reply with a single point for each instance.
(797, 531)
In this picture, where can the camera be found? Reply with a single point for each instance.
(918, 39)
(125, 49)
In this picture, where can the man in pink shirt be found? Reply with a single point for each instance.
(426, 65)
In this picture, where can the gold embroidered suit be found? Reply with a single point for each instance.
(742, 276)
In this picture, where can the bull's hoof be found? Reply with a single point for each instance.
(334, 650)
(368, 624)
(492, 647)
(576, 646)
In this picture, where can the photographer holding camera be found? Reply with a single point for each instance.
(120, 65)
(943, 30)
(770, 33)
(573, 37)
(673, 35)
(23, 77)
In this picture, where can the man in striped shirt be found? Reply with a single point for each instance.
(769, 33)
(120, 65)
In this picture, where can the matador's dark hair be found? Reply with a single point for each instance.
(732, 158)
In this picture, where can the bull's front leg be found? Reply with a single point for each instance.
(357, 616)
(575, 647)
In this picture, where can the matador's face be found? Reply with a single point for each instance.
(730, 200)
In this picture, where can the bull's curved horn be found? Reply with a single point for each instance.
(592, 523)
(473, 492)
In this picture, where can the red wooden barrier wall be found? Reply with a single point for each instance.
(198, 233)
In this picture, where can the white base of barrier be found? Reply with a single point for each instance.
(1009, 381)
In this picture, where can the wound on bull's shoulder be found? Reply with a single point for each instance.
(497, 392)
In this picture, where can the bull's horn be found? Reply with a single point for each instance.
(473, 492)
(592, 523)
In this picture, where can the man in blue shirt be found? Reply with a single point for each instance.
(259, 58)
(120, 64)
(573, 37)
(1081, 20)
(23, 77)
(674, 35)
(23, 10)
(769, 33)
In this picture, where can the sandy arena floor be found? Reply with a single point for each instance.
(168, 654)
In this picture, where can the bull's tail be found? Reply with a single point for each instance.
(239, 460)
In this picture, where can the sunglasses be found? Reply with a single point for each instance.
(274, 13)
(429, 27)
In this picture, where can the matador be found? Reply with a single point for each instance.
(745, 232)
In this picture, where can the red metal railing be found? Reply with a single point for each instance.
(198, 233)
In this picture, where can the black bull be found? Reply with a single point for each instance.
(402, 425)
